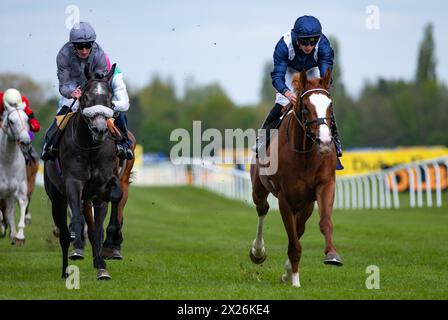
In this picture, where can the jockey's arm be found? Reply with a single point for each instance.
(120, 98)
(34, 124)
(280, 67)
(325, 57)
(66, 84)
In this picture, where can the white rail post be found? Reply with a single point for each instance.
(428, 186)
(347, 194)
(381, 190)
(374, 191)
(360, 193)
(353, 191)
(367, 192)
(412, 189)
(419, 188)
(438, 184)
(395, 190)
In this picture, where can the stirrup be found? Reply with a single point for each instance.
(129, 155)
(124, 152)
(339, 165)
(49, 154)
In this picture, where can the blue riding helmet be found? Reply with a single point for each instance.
(307, 27)
(82, 32)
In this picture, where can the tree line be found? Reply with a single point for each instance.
(387, 113)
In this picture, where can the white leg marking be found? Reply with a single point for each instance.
(258, 249)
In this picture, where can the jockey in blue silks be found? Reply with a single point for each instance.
(82, 49)
(304, 47)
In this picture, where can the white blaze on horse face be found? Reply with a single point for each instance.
(322, 102)
(99, 89)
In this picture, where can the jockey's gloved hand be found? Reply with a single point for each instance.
(34, 124)
(116, 113)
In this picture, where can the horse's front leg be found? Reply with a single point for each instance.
(96, 239)
(112, 245)
(294, 247)
(325, 199)
(11, 218)
(257, 252)
(22, 200)
(74, 193)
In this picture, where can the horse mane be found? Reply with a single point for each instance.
(301, 83)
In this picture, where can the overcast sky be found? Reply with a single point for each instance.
(221, 41)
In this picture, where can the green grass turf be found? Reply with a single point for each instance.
(187, 243)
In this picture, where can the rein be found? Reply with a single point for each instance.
(76, 143)
(77, 119)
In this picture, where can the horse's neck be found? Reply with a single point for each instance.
(297, 135)
(81, 131)
(9, 150)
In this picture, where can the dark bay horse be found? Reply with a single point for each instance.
(112, 244)
(86, 171)
(305, 174)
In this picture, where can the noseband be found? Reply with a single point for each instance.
(85, 117)
(305, 124)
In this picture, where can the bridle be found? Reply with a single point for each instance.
(305, 124)
(5, 128)
(86, 119)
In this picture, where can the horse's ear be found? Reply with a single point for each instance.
(326, 80)
(111, 72)
(299, 81)
(87, 72)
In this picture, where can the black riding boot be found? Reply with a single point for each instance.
(271, 122)
(337, 142)
(335, 134)
(124, 150)
(124, 147)
(52, 137)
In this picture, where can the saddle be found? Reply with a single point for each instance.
(63, 120)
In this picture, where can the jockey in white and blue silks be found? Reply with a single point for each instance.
(304, 47)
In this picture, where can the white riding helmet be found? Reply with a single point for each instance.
(12, 98)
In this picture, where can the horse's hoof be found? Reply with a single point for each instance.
(257, 260)
(116, 255)
(76, 254)
(285, 278)
(333, 258)
(110, 253)
(19, 242)
(103, 274)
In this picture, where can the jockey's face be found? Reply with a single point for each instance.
(307, 48)
(83, 49)
(83, 53)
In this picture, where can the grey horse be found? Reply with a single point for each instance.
(14, 140)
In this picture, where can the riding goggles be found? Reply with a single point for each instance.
(308, 41)
(83, 45)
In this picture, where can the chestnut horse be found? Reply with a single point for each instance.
(305, 174)
(112, 245)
